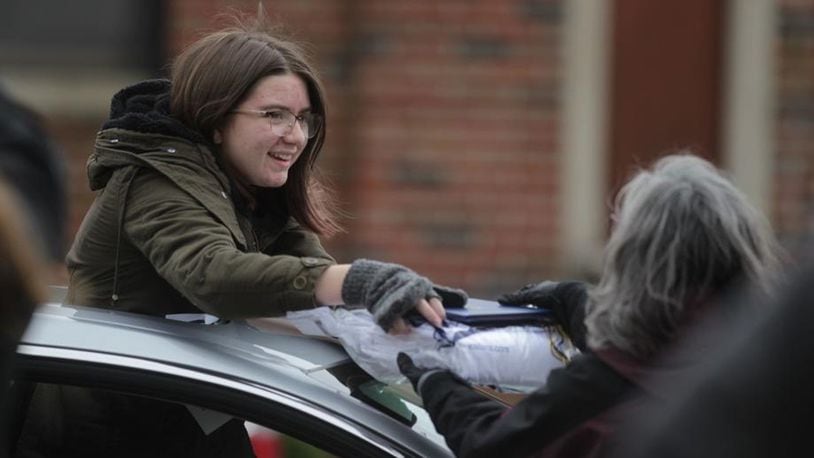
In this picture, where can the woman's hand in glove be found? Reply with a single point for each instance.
(389, 291)
(432, 310)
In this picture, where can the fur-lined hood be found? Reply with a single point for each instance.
(145, 107)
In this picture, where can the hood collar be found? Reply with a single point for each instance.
(145, 107)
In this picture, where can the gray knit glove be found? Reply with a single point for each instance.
(389, 291)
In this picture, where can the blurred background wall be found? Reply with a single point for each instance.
(477, 141)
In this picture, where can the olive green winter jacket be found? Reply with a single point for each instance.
(164, 235)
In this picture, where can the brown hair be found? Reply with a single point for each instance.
(216, 73)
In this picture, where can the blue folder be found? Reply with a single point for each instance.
(479, 312)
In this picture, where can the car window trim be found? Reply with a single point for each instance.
(323, 429)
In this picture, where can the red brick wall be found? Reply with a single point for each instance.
(458, 144)
(793, 213)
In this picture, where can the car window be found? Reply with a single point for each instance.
(206, 423)
(268, 443)
(278, 411)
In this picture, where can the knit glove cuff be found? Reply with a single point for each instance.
(387, 290)
(451, 297)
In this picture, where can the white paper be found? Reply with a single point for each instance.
(520, 356)
(204, 318)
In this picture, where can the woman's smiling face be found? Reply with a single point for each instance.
(258, 155)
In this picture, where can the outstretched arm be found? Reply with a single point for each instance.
(387, 290)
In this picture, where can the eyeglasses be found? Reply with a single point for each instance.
(282, 121)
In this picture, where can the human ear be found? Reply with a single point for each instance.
(217, 137)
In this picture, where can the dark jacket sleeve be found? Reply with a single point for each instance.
(199, 257)
(573, 298)
(476, 426)
(460, 414)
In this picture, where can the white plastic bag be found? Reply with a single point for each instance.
(517, 356)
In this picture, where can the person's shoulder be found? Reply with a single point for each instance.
(10, 109)
(152, 184)
(186, 164)
(22, 136)
(586, 372)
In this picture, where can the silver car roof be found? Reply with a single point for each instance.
(292, 364)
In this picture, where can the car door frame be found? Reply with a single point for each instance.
(263, 405)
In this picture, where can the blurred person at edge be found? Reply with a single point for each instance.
(683, 236)
(21, 290)
(33, 168)
(751, 394)
(32, 217)
(209, 202)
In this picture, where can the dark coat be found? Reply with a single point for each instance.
(750, 396)
(166, 234)
(572, 415)
(33, 166)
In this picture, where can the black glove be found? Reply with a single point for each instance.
(566, 300)
(389, 291)
(451, 297)
(417, 375)
(410, 370)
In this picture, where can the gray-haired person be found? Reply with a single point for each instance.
(683, 236)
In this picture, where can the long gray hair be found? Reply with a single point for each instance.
(683, 233)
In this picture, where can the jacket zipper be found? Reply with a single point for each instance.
(255, 242)
(248, 230)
